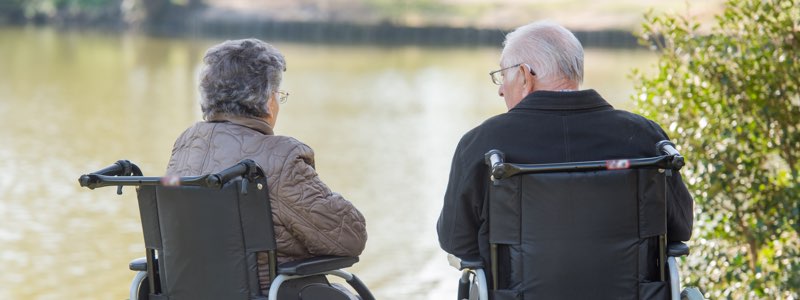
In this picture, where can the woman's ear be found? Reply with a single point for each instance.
(272, 110)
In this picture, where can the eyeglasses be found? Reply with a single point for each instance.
(497, 76)
(282, 97)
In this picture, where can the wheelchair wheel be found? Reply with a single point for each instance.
(318, 291)
(692, 293)
(144, 290)
(140, 287)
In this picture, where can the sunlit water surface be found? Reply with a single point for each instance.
(383, 122)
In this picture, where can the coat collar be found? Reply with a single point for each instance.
(553, 100)
(249, 122)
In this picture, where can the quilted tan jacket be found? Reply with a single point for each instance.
(309, 218)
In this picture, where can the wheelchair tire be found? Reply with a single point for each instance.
(143, 289)
(692, 293)
(319, 291)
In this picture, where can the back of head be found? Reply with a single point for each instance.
(238, 78)
(552, 51)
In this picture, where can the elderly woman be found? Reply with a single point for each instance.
(240, 100)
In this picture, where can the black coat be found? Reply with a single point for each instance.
(547, 127)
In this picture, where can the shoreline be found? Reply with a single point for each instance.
(383, 34)
(379, 34)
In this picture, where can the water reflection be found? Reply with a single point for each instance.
(382, 120)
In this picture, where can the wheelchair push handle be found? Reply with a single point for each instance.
(495, 159)
(125, 173)
(668, 148)
(120, 168)
(247, 169)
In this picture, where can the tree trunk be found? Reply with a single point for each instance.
(752, 248)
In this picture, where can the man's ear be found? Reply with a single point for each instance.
(527, 77)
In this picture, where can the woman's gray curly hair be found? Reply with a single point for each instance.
(238, 78)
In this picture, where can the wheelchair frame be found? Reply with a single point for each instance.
(670, 161)
(124, 173)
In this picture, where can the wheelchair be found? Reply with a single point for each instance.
(203, 236)
(578, 230)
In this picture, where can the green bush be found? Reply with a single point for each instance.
(729, 97)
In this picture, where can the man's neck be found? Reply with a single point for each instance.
(560, 86)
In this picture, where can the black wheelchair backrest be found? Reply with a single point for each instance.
(207, 239)
(555, 230)
(583, 230)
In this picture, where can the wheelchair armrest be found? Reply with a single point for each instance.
(465, 263)
(676, 249)
(139, 264)
(316, 265)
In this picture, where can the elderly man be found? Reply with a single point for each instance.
(549, 120)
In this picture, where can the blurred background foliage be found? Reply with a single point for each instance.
(730, 97)
(43, 10)
(505, 14)
(118, 12)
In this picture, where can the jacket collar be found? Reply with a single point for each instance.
(249, 122)
(554, 100)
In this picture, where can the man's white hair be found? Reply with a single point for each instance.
(551, 50)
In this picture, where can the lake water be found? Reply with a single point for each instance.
(383, 122)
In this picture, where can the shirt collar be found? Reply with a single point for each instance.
(249, 122)
(554, 100)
